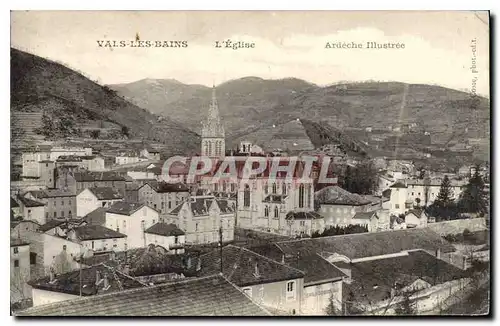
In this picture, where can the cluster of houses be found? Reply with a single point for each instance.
(112, 234)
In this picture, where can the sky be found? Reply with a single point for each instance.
(287, 44)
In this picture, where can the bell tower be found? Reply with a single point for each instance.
(212, 133)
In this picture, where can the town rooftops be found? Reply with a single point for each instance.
(96, 232)
(361, 245)
(311, 215)
(199, 205)
(88, 176)
(334, 195)
(244, 267)
(374, 279)
(51, 193)
(27, 202)
(105, 193)
(96, 217)
(92, 280)
(125, 207)
(212, 295)
(165, 229)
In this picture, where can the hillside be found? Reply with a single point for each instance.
(443, 112)
(71, 105)
(241, 102)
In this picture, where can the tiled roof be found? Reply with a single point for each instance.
(51, 193)
(275, 198)
(417, 211)
(399, 184)
(50, 225)
(373, 279)
(97, 216)
(96, 232)
(334, 195)
(311, 215)
(69, 283)
(27, 202)
(105, 193)
(370, 244)
(364, 215)
(97, 176)
(165, 229)
(315, 267)
(244, 267)
(207, 296)
(150, 260)
(163, 187)
(125, 207)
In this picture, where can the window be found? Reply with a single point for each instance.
(283, 187)
(93, 244)
(32, 258)
(216, 187)
(396, 206)
(62, 202)
(69, 213)
(16, 263)
(246, 196)
(143, 224)
(290, 287)
(266, 211)
(266, 189)
(274, 188)
(169, 205)
(124, 224)
(301, 196)
(276, 212)
(176, 239)
(55, 214)
(16, 250)
(46, 215)
(196, 227)
(302, 223)
(62, 213)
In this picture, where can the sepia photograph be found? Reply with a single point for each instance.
(250, 163)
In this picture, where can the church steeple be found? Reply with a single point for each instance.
(213, 143)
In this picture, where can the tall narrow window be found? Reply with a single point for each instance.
(266, 211)
(283, 187)
(276, 212)
(274, 188)
(301, 196)
(246, 196)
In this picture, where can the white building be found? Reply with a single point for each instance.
(92, 198)
(169, 236)
(131, 219)
(98, 238)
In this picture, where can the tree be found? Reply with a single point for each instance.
(444, 196)
(331, 309)
(406, 307)
(474, 198)
(427, 189)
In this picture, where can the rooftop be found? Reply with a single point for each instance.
(125, 208)
(106, 193)
(303, 216)
(165, 229)
(364, 215)
(212, 295)
(88, 176)
(163, 187)
(97, 216)
(91, 280)
(362, 245)
(50, 225)
(27, 202)
(244, 267)
(96, 232)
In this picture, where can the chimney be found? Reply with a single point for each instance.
(189, 263)
(256, 272)
(97, 277)
(438, 253)
(105, 282)
(283, 259)
(198, 265)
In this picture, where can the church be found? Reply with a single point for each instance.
(278, 205)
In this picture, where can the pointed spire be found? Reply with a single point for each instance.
(214, 98)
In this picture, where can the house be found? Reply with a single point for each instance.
(202, 217)
(96, 217)
(98, 238)
(19, 270)
(58, 203)
(162, 196)
(129, 158)
(269, 283)
(322, 281)
(150, 153)
(399, 202)
(305, 223)
(427, 190)
(168, 236)
(94, 163)
(92, 198)
(416, 218)
(379, 286)
(368, 219)
(131, 219)
(339, 206)
(32, 209)
(211, 295)
(77, 181)
(84, 282)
